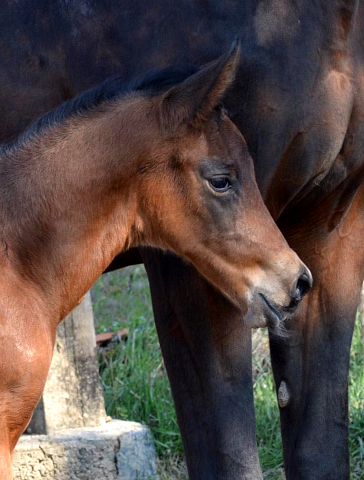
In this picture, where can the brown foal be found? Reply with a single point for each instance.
(166, 169)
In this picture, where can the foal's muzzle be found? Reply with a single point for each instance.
(274, 314)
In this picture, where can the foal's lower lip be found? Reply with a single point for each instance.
(273, 317)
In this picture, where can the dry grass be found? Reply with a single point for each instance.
(172, 468)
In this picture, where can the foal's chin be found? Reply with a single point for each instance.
(258, 313)
(262, 315)
(277, 330)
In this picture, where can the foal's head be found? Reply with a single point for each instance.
(197, 196)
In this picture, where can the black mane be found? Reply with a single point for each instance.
(152, 83)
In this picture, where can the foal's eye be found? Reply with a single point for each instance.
(220, 184)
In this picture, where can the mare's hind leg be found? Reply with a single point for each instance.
(25, 355)
(313, 360)
(207, 352)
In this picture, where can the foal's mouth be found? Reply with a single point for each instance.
(272, 315)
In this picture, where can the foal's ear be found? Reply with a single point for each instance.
(193, 100)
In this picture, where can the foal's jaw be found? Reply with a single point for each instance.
(266, 298)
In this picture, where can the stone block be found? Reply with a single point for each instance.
(116, 450)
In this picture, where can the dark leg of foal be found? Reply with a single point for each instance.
(313, 360)
(207, 352)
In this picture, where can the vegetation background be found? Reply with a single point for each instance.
(136, 385)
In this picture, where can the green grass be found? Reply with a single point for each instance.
(132, 372)
(356, 402)
(121, 299)
(136, 386)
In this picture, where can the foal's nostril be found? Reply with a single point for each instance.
(303, 285)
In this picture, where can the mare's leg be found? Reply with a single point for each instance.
(313, 360)
(207, 352)
(25, 355)
(130, 257)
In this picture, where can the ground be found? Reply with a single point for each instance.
(136, 386)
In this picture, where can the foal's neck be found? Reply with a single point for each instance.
(68, 203)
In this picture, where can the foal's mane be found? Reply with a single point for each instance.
(150, 84)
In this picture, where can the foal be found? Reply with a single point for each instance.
(111, 170)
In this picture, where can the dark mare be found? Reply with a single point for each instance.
(299, 102)
(115, 169)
